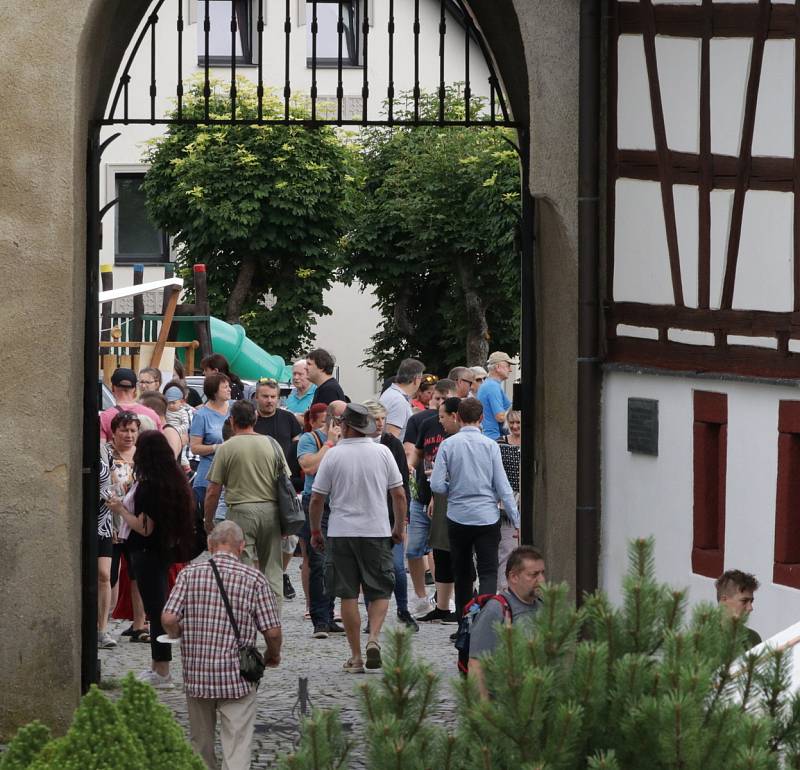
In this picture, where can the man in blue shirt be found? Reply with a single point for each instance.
(469, 470)
(491, 394)
(302, 394)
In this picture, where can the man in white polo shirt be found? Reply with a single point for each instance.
(396, 399)
(355, 476)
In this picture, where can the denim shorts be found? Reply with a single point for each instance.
(419, 526)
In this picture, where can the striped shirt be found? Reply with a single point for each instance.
(208, 644)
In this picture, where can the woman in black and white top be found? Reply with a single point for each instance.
(510, 454)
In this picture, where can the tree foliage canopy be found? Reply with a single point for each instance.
(434, 229)
(262, 206)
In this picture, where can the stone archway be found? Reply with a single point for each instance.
(57, 71)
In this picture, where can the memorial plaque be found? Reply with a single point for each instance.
(643, 426)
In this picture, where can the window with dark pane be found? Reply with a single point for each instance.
(137, 239)
(328, 33)
(219, 35)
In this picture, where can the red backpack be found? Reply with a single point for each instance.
(471, 612)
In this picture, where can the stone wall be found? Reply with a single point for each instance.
(59, 59)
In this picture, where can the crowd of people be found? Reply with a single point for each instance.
(421, 482)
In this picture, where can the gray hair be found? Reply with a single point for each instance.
(375, 408)
(409, 369)
(226, 533)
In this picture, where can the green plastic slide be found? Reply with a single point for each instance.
(246, 358)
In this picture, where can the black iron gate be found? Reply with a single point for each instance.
(246, 25)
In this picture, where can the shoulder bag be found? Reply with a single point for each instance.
(251, 662)
(290, 511)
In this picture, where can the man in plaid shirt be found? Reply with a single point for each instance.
(196, 613)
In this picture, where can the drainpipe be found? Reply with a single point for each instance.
(587, 530)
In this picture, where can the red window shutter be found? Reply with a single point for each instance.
(710, 466)
(786, 569)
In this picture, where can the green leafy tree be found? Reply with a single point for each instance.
(435, 231)
(25, 746)
(262, 206)
(639, 687)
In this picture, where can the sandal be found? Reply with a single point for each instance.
(351, 667)
(373, 657)
(141, 635)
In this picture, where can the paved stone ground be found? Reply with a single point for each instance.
(318, 660)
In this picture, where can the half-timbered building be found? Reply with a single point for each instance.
(700, 404)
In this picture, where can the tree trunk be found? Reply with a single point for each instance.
(477, 342)
(401, 319)
(241, 289)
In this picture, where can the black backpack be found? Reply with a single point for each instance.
(471, 612)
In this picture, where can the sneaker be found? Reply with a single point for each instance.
(320, 631)
(420, 606)
(428, 578)
(373, 662)
(404, 617)
(335, 628)
(438, 616)
(288, 589)
(154, 679)
(128, 631)
(454, 636)
(105, 641)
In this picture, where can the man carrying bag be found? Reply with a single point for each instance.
(252, 469)
(217, 642)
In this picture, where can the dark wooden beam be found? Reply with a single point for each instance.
(673, 356)
(745, 152)
(766, 173)
(662, 149)
(796, 164)
(728, 20)
(750, 323)
(611, 143)
(706, 168)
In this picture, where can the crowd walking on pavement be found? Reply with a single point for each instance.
(413, 494)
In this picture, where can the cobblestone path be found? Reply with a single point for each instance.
(317, 660)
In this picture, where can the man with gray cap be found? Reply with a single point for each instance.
(356, 476)
(123, 386)
(491, 394)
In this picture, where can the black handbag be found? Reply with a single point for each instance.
(290, 511)
(251, 662)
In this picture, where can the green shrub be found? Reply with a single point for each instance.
(27, 744)
(153, 724)
(635, 687)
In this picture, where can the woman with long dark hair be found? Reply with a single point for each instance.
(159, 511)
(216, 363)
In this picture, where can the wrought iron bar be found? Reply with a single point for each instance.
(260, 88)
(492, 104)
(126, 79)
(416, 60)
(125, 73)
(365, 86)
(153, 22)
(207, 84)
(314, 30)
(179, 89)
(467, 43)
(287, 88)
(390, 89)
(234, 31)
(304, 122)
(340, 84)
(442, 33)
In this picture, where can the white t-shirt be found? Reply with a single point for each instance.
(356, 476)
(397, 406)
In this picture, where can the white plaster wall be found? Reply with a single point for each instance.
(729, 61)
(773, 130)
(644, 495)
(641, 258)
(634, 115)
(678, 62)
(353, 318)
(764, 272)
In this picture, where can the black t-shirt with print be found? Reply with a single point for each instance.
(431, 434)
(415, 422)
(282, 426)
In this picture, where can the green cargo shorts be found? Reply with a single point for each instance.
(353, 564)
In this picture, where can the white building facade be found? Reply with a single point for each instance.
(129, 238)
(700, 399)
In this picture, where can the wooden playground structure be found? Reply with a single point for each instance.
(132, 350)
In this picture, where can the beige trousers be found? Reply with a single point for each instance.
(237, 719)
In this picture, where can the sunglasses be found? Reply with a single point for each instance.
(264, 380)
(430, 379)
(464, 379)
(129, 417)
